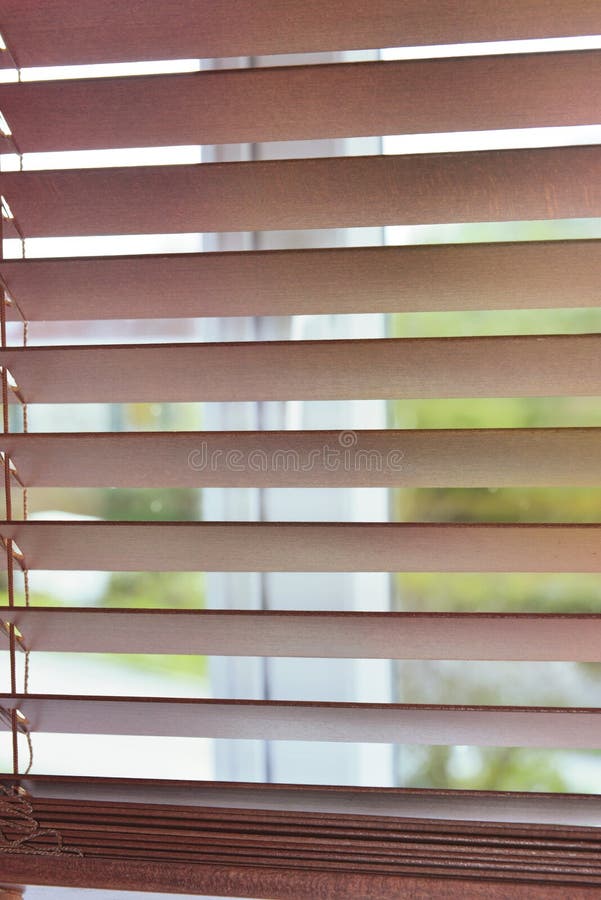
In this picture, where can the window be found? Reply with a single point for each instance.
(229, 233)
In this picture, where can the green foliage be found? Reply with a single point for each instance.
(476, 232)
(576, 320)
(184, 668)
(168, 590)
(136, 504)
(502, 505)
(36, 598)
(510, 412)
(498, 592)
(483, 768)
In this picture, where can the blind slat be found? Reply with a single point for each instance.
(500, 366)
(492, 726)
(274, 876)
(496, 185)
(305, 546)
(258, 840)
(60, 32)
(509, 810)
(101, 826)
(305, 102)
(200, 832)
(524, 275)
(492, 457)
(355, 635)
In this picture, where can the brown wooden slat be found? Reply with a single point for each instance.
(487, 726)
(521, 815)
(135, 832)
(287, 282)
(254, 881)
(230, 825)
(305, 546)
(307, 830)
(497, 185)
(200, 849)
(306, 842)
(501, 636)
(392, 368)
(332, 858)
(308, 838)
(305, 834)
(305, 102)
(60, 32)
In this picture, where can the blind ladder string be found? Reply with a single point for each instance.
(9, 542)
(10, 469)
(9, 545)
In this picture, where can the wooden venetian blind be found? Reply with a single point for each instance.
(271, 840)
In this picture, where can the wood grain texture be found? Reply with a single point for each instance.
(340, 192)
(250, 802)
(357, 635)
(518, 457)
(395, 723)
(425, 278)
(304, 102)
(304, 546)
(60, 32)
(386, 369)
(248, 881)
(323, 856)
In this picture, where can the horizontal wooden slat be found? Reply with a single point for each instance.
(301, 841)
(280, 879)
(330, 635)
(305, 546)
(506, 808)
(492, 457)
(304, 830)
(488, 726)
(499, 185)
(512, 366)
(305, 102)
(288, 282)
(60, 32)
